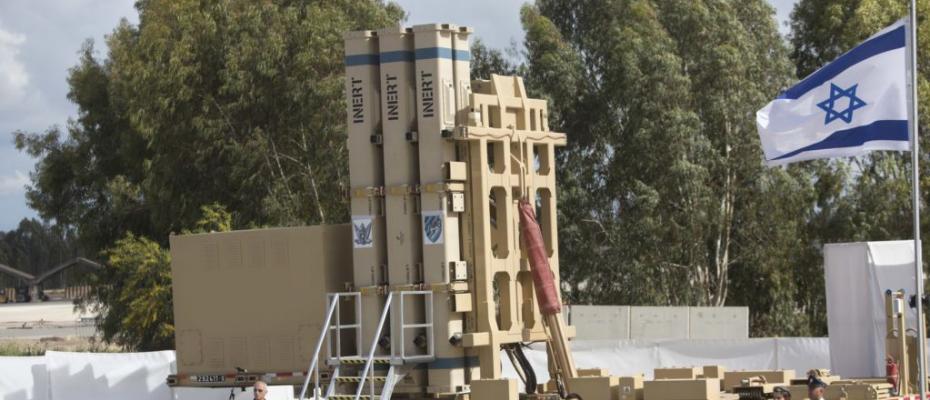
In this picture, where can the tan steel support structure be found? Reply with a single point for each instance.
(437, 107)
(899, 345)
(366, 173)
(511, 153)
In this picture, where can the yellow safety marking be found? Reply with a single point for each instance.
(442, 187)
(369, 191)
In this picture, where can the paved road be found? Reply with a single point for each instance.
(51, 319)
(50, 311)
(38, 332)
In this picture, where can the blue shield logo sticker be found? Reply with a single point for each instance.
(361, 232)
(432, 227)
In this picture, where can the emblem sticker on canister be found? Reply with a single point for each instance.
(361, 232)
(432, 227)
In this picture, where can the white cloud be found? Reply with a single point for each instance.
(14, 184)
(13, 76)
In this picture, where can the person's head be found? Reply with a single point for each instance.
(260, 390)
(815, 388)
(781, 394)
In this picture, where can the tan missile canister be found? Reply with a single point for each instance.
(441, 193)
(366, 174)
(401, 158)
(401, 182)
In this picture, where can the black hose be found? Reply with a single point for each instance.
(527, 369)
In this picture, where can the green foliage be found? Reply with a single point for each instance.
(486, 61)
(133, 295)
(239, 103)
(663, 195)
(215, 219)
(27, 347)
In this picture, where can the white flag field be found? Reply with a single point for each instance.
(856, 104)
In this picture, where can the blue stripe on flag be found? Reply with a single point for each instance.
(890, 40)
(396, 56)
(361, 59)
(878, 130)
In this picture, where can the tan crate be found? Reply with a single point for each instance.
(713, 371)
(593, 372)
(255, 299)
(630, 387)
(503, 389)
(682, 389)
(595, 387)
(733, 379)
(678, 373)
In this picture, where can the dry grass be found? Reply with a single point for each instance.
(38, 347)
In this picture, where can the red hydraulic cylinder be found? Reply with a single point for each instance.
(535, 246)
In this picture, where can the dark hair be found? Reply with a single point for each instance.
(782, 391)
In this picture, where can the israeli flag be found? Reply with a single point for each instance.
(856, 104)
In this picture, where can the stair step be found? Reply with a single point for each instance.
(356, 379)
(351, 397)
(362, 361)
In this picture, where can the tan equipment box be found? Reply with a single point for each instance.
(255, 299)
(682, 389)
(798, 392)
(595, 387)
(857, 390)
(732, 379)
(678, 373)
(755, 391)
(503, 389)
(630, 387)
(713, 371)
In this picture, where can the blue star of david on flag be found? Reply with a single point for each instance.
(836, 94)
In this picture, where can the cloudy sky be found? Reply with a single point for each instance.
(40, 40)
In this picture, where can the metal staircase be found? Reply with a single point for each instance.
(351, 373)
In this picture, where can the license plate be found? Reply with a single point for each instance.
(208, 378)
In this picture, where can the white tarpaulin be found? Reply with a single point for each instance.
(186, 393)
(23, 378)
(857, 276)
(633, 357)
(102, 376)
(95, 376)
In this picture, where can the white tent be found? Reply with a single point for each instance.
(857, 276)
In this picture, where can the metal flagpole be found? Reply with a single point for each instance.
(915, 181)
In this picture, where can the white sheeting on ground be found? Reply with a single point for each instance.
(23, 378)
(102, 376)
(857, 276)
(94, 376)
(141, 376)
(630, 357)
(274, 393)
